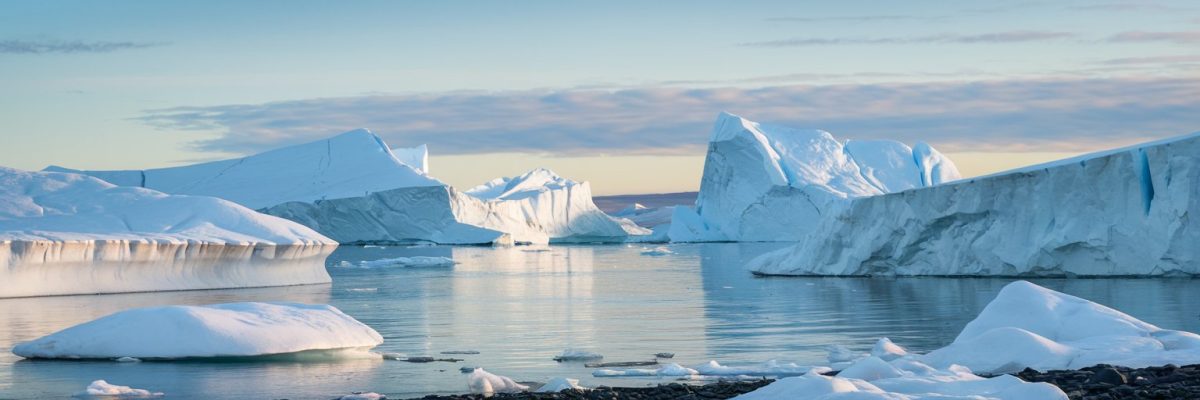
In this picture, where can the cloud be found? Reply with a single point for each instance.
(996, 37)
(1127, 6)
(1181, 37)
(1009, 115)
(856, 18)
(1195, 58)
(67, 47)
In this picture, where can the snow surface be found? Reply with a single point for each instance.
(415, 261)
(1030, 326)
(487, 383)
(351, 164)
(1117, 213)
(219, 330)
(558, 384)
(64, 233)
(101, 388)
(772, 183)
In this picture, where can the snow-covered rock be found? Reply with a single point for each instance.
(559, 384)
(1030, 326)
(772, 183)
(1115, 213)
(487, 383)
(64, 233)
(102, 389)
(219, 330)
(353, 188)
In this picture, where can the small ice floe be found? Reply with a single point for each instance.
(840, 357)
(769, 368)
(665, 370)
(664, 355)
(657, 251)
(128, 360)
(621, 364)
(100, 388)
(556, 385)
(487, 383)
(371, 246)
(362, 290)
(414, 261)
(577, 355)
(887, 350)
(420, 359)
(461, 352)
(363, 396)
(220, 330)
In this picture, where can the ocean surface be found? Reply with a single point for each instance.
(519, 307)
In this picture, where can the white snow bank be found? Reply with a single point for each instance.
(1115, 213)
(772, 183)
(577, 355)
(487, 383)
(101, 388)
(73, 234)
(557, 384)
(220, 330)
(351, 164)
(1031, 326)
(415, 261)
(665, 370)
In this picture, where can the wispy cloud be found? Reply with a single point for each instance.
(1182, 37)
(995, 37)
(855, 18)
(1127, 6)
(1011, 115)
(1195, 58)
(68, 46)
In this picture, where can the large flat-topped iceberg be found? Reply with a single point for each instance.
(351, 164)
(772, 183)
(66, 233)
(353, 188)
(220, 330)
(1123, 212)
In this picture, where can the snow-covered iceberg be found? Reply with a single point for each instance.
(1028, 326)
(66, 233)
(220, 330)
(773, 183)
(353, 188)
(1115, 213)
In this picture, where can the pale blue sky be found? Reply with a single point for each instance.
(610, 86)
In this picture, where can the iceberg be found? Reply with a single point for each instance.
(64, 234)
(355, 189)
(771, 183)
(220, 330)
(1123, 212)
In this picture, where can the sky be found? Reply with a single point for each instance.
(619, 93)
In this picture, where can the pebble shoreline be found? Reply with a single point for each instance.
(1100, 382)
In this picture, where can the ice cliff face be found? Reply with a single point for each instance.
(355, 189)
(71, 234)
(771, 183)
(1122, 212)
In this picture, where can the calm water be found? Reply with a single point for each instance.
(520, 306)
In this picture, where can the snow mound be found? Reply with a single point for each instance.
(1115, 213)
(577, 355)
(66, 233)
(351, 164)
(556, 385)
(1030, 326)
(103, 389)
(487, 383)
(415, 261)
(220, 330)
(773, 183)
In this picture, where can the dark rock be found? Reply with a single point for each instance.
(1108, 375)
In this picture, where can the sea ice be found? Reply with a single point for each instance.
(103, 389)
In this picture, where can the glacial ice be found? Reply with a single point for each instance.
(219, 330)
(1121, 212)
(66, 233)
(353, 188)
(772, 183)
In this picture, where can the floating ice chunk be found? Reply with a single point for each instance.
(577, 355)
(486, 383)
(769, 368)
(887, 350)
(665, 370)
(128, 360)
(220, 330)
(363, 396)
(101, 388)
(415, 261)
(658, 251)
(556, 385)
